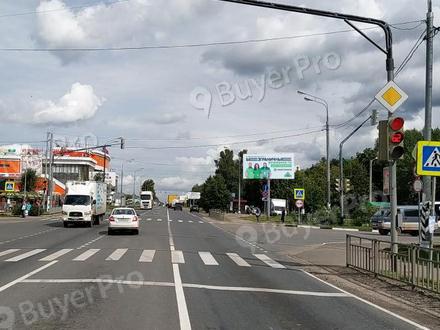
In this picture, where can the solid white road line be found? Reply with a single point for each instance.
(185, 323)
(3, 253)
(147, 256)
(116, 255)
(26, 255)
(86, 255)
(208, 259)
(20, 279)
(419, 326)
(238, 260)
(268, 261)
(177, 257)
(56, 255)
(98, 280)
(266, 290)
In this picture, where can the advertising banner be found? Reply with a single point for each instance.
(273, 166)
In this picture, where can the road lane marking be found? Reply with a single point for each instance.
(177, 257)
(56, 255)
(20, 279)
(190, 221)
(90, 242)
(25, 255)
(185, 323)
(148, 219)
(147, 256)
(208, 259)
(159, 220)
(180, 220)
(266, 290)
(8, 252)
(116, 255)
(86, 255)
(200, 221)
(367, 302)
(28, 236)
(268, 261)
(238, 260)
(97, 280)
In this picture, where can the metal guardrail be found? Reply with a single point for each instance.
(217, 214)
(408, 263)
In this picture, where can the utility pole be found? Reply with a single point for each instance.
(50, 186)
(122, 176)
(428, 186)
(371, 179)
(268, 199)
(240, 171)
(46, 172)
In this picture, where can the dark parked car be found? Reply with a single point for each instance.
(194, 208)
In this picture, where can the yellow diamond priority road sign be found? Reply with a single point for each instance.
(391, 96)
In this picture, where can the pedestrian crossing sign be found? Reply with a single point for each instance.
(299, 193)
(9, 186)
(428, 158)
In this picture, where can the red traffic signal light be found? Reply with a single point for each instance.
(396, 137)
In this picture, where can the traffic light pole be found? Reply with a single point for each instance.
(388, 51)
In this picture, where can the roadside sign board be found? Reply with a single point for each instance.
(391, 96)
(386, 181)
(299, 203)
(428, 158)
(9, 186)
(299, 193)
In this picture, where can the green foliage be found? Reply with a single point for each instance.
(214, 194)
(30, 178)
(362, 214)
(228, 168)
(99, 177)
(148, 185)
(197, 188)
(16, 209)
(36, 211)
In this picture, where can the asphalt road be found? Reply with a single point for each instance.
(180, 272)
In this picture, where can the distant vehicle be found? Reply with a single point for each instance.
(146, 200)
(85, 202)
(193, 201)
(178, 206)
(123, 218)
(407, 220)
(194, 208)
(278, 205)
(171, 199)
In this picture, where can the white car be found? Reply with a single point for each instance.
(123, 218)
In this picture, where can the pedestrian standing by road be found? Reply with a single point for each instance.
(283, 215)
(23, 209)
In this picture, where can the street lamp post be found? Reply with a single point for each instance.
(371, 178)
(312, 98)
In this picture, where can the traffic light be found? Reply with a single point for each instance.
(347, 185)
(337, 185)
(396, 137)
(122, 143)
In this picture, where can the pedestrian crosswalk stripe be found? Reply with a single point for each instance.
(208, 259)
(148, 219)
(56, 255)
(117, 254)
(180, 220)
(86, 255)
(159, 219)
(190, 221)
(268, 261)
(238, 260)
(147, 256)
(8, 252)
(200, 221)
(170, 220)
(177, 257)
(26, 255)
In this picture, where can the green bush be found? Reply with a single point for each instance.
(36, 211)
(362, 214)
(16, 209)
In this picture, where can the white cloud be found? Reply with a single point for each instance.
(79, 104)
(170, 118)
(175, 183)
(128, 180)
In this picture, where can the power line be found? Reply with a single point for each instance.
(191, 45)
(222, 144)
(411, 53)
(65, 8)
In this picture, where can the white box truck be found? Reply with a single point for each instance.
(85, 202)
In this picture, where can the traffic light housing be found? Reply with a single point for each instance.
(347, 185)
(337, 185)
(383, 145)
(122, 143)
(396, 136)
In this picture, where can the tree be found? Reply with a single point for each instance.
(197, 188)
(228, 168)
(99, 177)
(29, 179)
(148, 185)
(214, 194)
